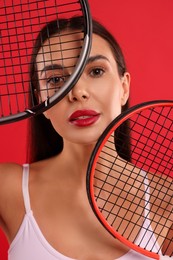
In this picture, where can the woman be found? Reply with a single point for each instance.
(44, 209)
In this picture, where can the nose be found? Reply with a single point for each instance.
(78, 93)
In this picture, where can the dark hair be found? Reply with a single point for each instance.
(43, 140)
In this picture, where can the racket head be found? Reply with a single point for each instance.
(115, 182)
(21, 23)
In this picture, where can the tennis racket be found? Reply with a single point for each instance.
(24, 25)
(130, 179)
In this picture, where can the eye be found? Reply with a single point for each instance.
(53, 84)
(55, 81)
(97, 72)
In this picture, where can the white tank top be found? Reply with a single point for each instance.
(30, 244)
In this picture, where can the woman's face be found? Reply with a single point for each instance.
(95, 100)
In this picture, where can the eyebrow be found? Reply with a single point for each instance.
(52, 67)
(96, 57)
(60, 67)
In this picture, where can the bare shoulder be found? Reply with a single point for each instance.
(162, 184)
(161, 196)
(10, 183)
(9, 172)
(11, 198)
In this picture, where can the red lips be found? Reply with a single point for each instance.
(84, 118)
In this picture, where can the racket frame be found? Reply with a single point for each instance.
(72, 80)
(92, 165)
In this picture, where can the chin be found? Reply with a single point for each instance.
(89, 139)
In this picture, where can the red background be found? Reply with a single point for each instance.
(144, 30)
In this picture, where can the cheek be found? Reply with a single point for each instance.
(114, 108)
(111, 93)
(55, 117)
(58, 125)
(112, 101)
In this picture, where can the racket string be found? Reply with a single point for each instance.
(153, 145)
(123, 218)
(125, 199)
(129, 206)
(21, 22)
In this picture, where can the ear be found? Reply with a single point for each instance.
(125, 88)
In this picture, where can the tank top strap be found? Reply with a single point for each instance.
(25, 187)
(147, 193)
(148, 236)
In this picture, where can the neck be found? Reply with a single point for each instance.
(78, 153)
(75, 158)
